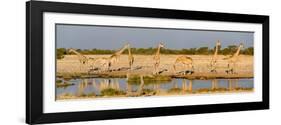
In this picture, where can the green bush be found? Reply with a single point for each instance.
(60, 53)
(111, 92)
(149, 80)
(174, 90)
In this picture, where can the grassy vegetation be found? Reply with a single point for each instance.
(87, 95)
(68, 76)
(67, 94)
(58, 81)
(203, 90)
(220, 89)
(243, 89)
(63, 84)
(60, 53)
(149, 80)
(174, 90)
(148, 51)
(111, 92)
(148, 91)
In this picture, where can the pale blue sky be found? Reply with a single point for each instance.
(106, 37)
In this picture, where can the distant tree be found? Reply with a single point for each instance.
(225, 51)
(229, 50)
(192, 51)
(203, 50)
(150, 51)
(185, 51)
(232, 48)
(60, 53)
(248, 51)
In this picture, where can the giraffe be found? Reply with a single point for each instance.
(186, 62)
(214, 59)
(83, 60)
(106, 62)
(156, 58)
(130, 58)
(115, 57)
(233, 60)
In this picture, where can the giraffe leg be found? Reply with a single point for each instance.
(232, 68)
(174, 68)
(80, 67)
(228, 68)
(91, 66)
(185, 67)
(156, 68)
(108, 66)
(104, 66)
(131, 65)
(190, 68)
(214, 67)
(235, 67)
(88, 68)
(156, 65)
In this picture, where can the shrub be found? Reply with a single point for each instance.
(111, 92)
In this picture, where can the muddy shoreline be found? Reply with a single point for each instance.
(159, 94)
(195, 76)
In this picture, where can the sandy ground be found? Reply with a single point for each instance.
(70, 64)
(159, 93)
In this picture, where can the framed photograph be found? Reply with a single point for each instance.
(95, 62)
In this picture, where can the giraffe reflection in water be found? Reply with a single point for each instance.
(120, 87)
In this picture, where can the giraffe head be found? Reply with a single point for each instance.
(241, 45)
(127, 45)
(218, 43)
(71, 50)
(161, 45)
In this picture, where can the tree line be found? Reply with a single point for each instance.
(229, 50)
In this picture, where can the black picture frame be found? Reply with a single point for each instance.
(34, 61)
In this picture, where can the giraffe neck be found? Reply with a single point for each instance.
(120, 51)
(79, 55)
(216, 50)
(129, 51)
(238, 51)
(158, 51)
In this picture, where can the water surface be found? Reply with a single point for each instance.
(94, 86)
